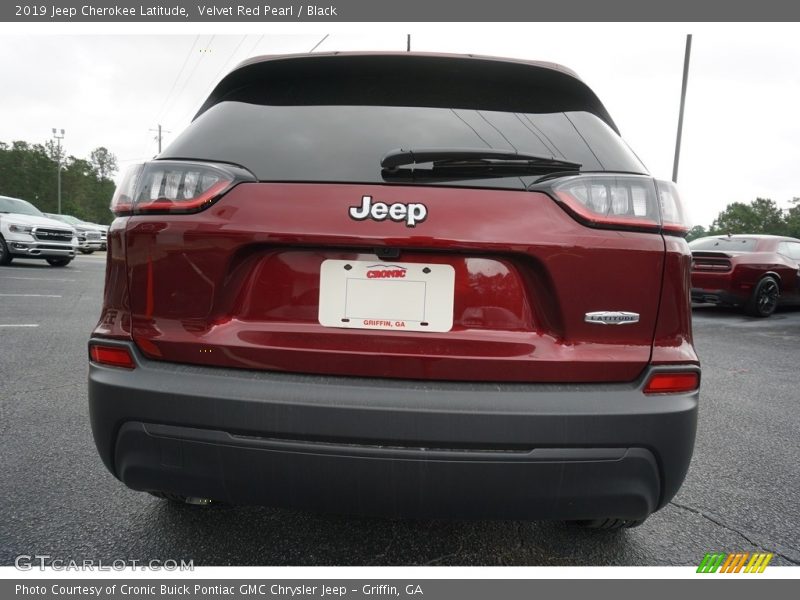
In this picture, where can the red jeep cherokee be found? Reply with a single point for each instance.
(401, 284)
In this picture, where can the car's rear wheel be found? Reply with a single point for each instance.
(5, 255)
(765, 296)
(609, 524)
(59, 262)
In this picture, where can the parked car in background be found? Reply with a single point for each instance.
(399, 284)
(25, 232)
(91, 237)
(103, 236)
(757, 273)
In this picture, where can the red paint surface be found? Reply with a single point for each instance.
(237, 285)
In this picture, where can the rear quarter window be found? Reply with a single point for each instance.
(790, 249)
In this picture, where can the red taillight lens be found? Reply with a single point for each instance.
(711, 264)
(171, 187)
(622, 202)
(672, 383)
(113, 356)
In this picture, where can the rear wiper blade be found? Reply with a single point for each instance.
(473, 158)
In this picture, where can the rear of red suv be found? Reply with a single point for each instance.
(399, 284)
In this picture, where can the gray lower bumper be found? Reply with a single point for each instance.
(402, 448)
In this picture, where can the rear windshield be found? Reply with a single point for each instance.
(344, 143)
(725, 244)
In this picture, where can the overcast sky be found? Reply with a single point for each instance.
(741, 130)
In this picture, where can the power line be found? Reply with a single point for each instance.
(525, 125)
(318, 43)
(230, 56)
(163, 111)
(191, 73)
(254, 46)
(180, 72)
(215, 79)
(480, 114)
(475, 131)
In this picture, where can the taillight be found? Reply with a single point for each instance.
(166, 186)
(672, 383)
(622, 202)
(673, 217)
(711, 264)
(113, 356)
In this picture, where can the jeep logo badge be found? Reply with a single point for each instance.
(411, 214)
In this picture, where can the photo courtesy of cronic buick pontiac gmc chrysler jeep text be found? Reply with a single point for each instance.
(400, 284)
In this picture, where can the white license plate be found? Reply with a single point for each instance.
(360, 294)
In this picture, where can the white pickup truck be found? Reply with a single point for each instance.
(25, 232)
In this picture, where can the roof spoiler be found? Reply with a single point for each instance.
(408, 79)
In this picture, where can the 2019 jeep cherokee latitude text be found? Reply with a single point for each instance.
(399, 284)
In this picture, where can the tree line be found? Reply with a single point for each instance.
(762, 215)
(30, 172)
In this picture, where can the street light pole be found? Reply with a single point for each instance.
(686, 57)
(58, 134)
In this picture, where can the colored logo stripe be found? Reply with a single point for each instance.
(711, 562)
(734, 562)
(758, 563)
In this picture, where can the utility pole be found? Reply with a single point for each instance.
(686, 57)
(408, 43)
(58, 135)
(158, 137)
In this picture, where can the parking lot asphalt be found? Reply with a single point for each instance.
(741, 493)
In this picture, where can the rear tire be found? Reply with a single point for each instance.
(609, 524)
(5, 255)
(59, 262)
(764, 300)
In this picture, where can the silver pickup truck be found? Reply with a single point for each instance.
(91, 236)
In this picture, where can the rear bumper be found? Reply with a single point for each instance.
(717, 296)
(399, 448)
